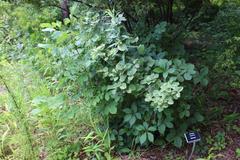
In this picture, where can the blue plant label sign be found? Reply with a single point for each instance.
(192, 137)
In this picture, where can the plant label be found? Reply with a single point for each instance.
(192, 137)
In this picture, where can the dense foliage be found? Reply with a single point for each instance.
(101, 76)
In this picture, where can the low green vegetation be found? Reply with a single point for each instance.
(36, 123)
(106, 79)
(238, 153)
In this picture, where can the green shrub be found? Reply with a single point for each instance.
(136, 89)
(224, 44)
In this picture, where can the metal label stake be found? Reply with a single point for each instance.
(192, 137)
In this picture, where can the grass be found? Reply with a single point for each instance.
(36, 124)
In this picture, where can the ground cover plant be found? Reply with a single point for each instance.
(118, 79)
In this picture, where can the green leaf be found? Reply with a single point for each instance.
(127, 117)
(171, 135)
(180, 78)
(143, 138)
(199, 117)
(132, 71)
(67, 21)
(178, 142)
(165, 74)
(204, 82)
(169, 124)
(237, 72)
(145, 125)
(138, 115)
(44, 46)
(39, 100)
(132, 87)
(107, 156)
(107, 96)
(171, 70)
(140, 127)
(141, 49)
(122, 47)
(204, 71)
(162, 128)
(125, 150)
(112, 108)
(35, 111)
(48, 30)
(62, 37)
(127, 110)
(122, 78)
(159, 30)
(123, 86)
(132, 120)
(150, 137)
(78, 43)
(158, 70)
(152, 128)
(187, 76)
(56, 101)
(45, 25)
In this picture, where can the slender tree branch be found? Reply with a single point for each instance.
(57, 6)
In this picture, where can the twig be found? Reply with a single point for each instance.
(55, 5)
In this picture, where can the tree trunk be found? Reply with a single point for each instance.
(170, 11)
(65, 9)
